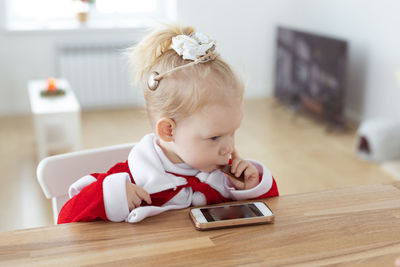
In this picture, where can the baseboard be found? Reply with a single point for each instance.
(392, 168)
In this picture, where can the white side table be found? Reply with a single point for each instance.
(57, 119)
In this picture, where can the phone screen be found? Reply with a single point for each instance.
(231, 212)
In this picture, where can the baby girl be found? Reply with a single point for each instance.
(194, 103)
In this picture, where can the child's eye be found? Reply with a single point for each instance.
(214, 138)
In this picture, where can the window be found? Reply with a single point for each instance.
(63, 14)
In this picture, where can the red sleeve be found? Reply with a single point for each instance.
(273, 192)
(88, 205)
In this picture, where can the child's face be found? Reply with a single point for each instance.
(205, 139)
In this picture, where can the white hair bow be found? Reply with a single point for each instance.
(197, 47)
(192, 47)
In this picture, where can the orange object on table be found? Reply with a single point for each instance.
(51, 84)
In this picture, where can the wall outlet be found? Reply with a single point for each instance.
(397, 74)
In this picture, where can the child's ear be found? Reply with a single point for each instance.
(164, 129)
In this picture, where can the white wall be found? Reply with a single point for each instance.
(245, 33)
(372, 29)
(31, 55)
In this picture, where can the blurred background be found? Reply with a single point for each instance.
(322, 87)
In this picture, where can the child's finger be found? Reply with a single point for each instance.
(131, 206)
(132, 201)
(234, 154)
(250, 172)
(235, 163)
(397, 262)
(236, 183)
(143, 195)
(136, 200)
(240, 168)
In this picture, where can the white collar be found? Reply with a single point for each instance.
(149, 167)
(179, 168)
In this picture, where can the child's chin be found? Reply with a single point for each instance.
(209, 169)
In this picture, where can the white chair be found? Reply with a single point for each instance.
(56, 173)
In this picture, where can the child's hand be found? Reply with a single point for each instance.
(397, 262)
(239, 166)
(135, 194)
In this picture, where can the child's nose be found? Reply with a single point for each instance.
(225, 152)
(227, 149)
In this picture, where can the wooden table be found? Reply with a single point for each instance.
(353, 227)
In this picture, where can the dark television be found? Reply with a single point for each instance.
(310, 73)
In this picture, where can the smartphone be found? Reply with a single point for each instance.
(231, 214)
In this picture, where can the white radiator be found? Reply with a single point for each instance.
(98, 73)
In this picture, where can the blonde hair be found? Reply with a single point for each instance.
(183, 92)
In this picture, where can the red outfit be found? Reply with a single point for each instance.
(89, 203)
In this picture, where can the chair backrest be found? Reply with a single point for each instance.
(56, 173)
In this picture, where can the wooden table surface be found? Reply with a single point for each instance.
(357, 226)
